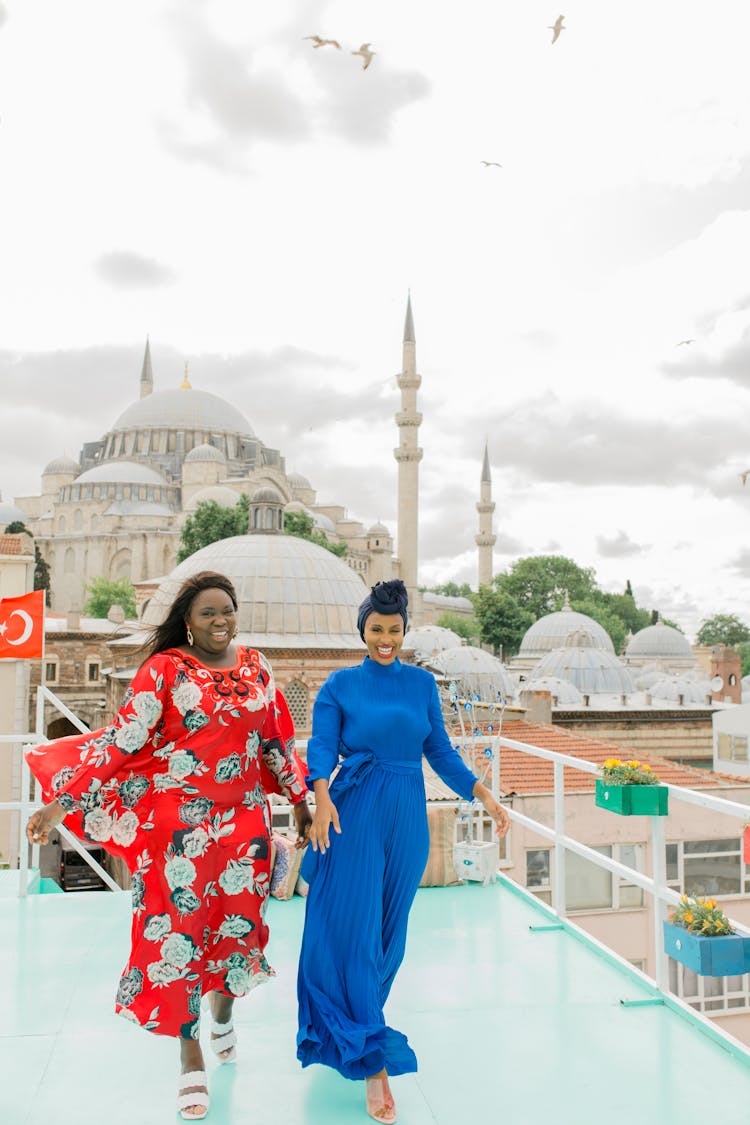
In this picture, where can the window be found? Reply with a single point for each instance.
(709, 994)
(588, 886)
(51, 669)
(69, 564)
(707, 867)
(93, 671)
(297, 696)
(732, 747)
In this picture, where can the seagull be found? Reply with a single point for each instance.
(490, 163)
(556, 28)
(744, 476)
(318, 42)
(683, 342)
(366, 54)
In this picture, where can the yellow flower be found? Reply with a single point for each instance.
(634, 765)
(647, 769)
(688, 916)
(611, 763)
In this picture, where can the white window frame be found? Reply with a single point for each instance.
(678, 884)
(51, 662)
(544, 891)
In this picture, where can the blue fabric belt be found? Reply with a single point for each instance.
(359, 765)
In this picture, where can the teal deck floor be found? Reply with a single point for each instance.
(509, 1025)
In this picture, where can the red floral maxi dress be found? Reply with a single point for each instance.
(177, 785)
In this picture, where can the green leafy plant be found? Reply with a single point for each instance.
(701, 916)
(615, 772)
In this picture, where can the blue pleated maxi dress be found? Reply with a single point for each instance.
(381, 719)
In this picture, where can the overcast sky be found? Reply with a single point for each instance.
(201, 173)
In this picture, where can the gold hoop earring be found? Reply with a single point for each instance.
(190, 636)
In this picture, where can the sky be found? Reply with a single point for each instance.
(200, 173)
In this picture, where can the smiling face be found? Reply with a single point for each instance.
(384, 636)
(213, 621)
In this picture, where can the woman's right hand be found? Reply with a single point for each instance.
(326, 814)
(41, 823)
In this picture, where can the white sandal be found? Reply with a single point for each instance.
(226, 1040)
(196, 1097)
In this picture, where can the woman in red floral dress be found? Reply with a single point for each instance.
(177, 785)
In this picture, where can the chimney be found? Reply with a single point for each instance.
(586, 700)
(538, 705)
(73, 620)
(116, 614)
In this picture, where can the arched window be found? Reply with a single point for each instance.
(298, 698)
(78, 520)
(70, 561)
(61, 523)
(120, 565)
(269, 518)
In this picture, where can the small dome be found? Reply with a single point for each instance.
(62, 465)
(220, 494)
(428, 640)
(296, 480)
(672, 687)
(183, 408)
(267, 495)
(297, 506)
(474, 672)
(121, 472)
(593, 671)
(659, 640)
(206, 452)
(378, 529)
(562, 690)
(552, 630)
(323, 522)
(580, 638)
(9, 513)
(648, 675)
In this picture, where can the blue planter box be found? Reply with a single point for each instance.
(726, 956)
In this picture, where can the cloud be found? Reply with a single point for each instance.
(3, 14)
(241, 94)
(125, 269)
(741, 562)
(621, 546)
(732, 363)
(507, 545)
(547, 440)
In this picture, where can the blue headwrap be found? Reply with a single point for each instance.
(384, 597)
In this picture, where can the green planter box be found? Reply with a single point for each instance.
(632, 800)
(725, 956)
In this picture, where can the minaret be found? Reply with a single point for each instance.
(147, 376)
(485, 541)
(408, 455)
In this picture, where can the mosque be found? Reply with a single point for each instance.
(119, 509)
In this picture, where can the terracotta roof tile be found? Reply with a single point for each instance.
(520, 773)
(10, 545)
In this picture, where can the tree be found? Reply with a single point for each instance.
(105, 592)
(744, 651)
(538, 584)
(624, 607)
(209, 523)
(723, 629)
(41, 570)
(466, 627)
(451, 589)
(302, 525)
(502, 621)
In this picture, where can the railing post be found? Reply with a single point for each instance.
(658, 847)
(558, 883)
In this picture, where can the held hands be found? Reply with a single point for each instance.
(41, 823)
(303, 820)
(494, 808)
(326, 814)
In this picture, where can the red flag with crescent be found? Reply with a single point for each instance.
(22, 627)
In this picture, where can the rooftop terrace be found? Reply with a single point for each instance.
(514, 1016)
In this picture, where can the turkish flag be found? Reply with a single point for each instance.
(22, 627)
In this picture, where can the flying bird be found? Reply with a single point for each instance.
(744, 476)
(366, 54)
(556, 28)
(682, 343)
(318, 42)
(490, 163)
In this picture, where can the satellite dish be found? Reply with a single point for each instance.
(717, 683)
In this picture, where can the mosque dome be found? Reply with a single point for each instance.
(378, 529)
(428, 640)
(62, 465)
(593, 670)
(474, 671)
(120, 472)
(183, 408)
(267, 495)
(9, 513)
(220, 494)
(297, 506)
(647, 675)
(551, 631)
(206, 452)
(291, 592)
(296, 480)
(565, 692)
(672, 687)
(323, 522)
(659, 641)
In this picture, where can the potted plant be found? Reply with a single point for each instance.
(700, 935)
(631, 789)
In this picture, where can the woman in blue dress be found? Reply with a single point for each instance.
(381, 716)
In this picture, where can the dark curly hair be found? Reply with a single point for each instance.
(173, 632)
